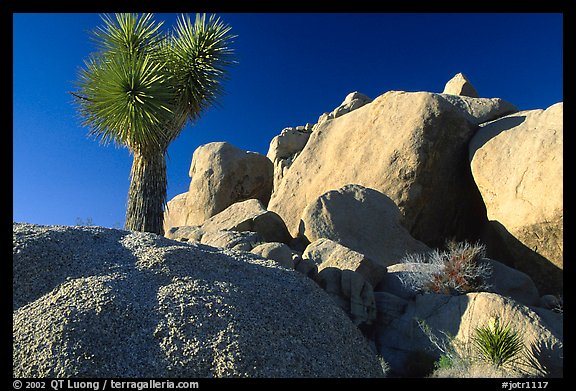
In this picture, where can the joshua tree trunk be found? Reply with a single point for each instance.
(147, 193)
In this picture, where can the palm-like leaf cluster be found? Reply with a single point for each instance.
(127, 34)
(498, 343)
(141, 86)
(197, 58)
(494, 349)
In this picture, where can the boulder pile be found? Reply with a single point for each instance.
(295, 264)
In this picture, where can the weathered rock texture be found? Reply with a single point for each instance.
(481, 109)
(517, 163)
(186, 233)
(460, 85)
(243, 216)
(361, 219)
(250, 215)
(512, 283)
(328, 253)
(222, 175)
(278, 252)
(400, 339)
(288, 143)
(95, 302)
(175, 213)
(353, 101)
(411, 146)
(285, 148)
(233, 240)
(351, 292)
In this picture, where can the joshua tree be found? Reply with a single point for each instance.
(141, 87)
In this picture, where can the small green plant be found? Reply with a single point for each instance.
(446, 344)
(455, 271)
(496, 350)
(497, 343)
(443, 363)
(502, 346)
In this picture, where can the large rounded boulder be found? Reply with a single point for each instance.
(96, 302)
(221, 175)
(517, 164)
(410, 146)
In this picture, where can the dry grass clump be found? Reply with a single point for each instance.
(473, 370)
(455, 271)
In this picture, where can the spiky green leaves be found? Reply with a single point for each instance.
(141, 87)
(498, 343)
(198, 55)
(125, 96)
(127, 33)
(127, 99)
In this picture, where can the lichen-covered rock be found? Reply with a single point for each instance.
(95, 302)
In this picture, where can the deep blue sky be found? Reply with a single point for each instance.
(292, 68)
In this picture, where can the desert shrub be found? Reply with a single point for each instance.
(444, 362)
(498, 344)
(495, 350)
(450, 356)
(454, 271)
(503, 346)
